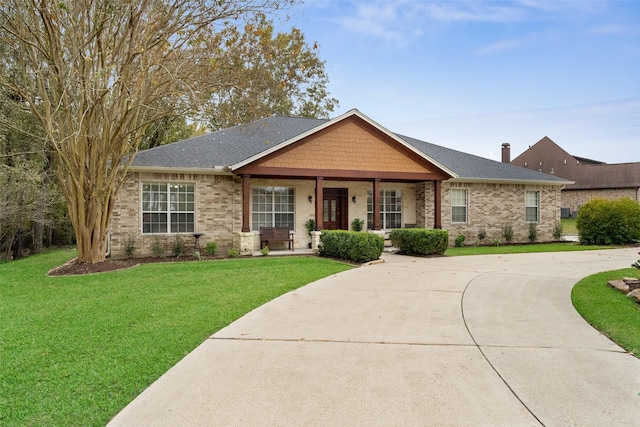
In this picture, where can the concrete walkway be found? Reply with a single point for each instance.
(461, 341)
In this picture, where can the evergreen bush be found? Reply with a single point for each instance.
(420, 241)
(351, 245)
(607, 222)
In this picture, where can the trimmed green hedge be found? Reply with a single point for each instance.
(420, 241)
(351, 245)
(607, 222)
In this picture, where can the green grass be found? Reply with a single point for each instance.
(609, 310)
(76, 350)
(569, 226)
(520, 249)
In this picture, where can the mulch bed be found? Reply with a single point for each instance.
(74, 268)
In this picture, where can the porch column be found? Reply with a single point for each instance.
(376, 204)
(437, 204)
(246, 200)
(319, 197)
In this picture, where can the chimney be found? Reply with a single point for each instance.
(506, 153)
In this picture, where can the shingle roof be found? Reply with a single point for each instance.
(549, 157)
(478, 168)
(227, 147)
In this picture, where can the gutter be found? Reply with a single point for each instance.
(217, 170)
(510, 181)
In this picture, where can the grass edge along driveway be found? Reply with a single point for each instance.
(75, 350)
(609, 310)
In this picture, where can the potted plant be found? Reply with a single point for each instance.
(357, 224)
(311, 227)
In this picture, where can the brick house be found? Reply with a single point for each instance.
(283, 171)
(591, 178)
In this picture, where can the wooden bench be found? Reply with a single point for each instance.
(269, 235)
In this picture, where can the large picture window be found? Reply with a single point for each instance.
(459, 203)
(168, 208)
(390, 209)
(531, 206)
(272, 207)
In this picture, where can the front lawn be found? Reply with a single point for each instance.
(76, 350)
(520, 249)
(609, 310)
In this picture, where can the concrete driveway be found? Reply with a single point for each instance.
(461, 341)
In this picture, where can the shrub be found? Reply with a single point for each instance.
(178, 247)
(497, 241)
(130, 247)
(533, 232)
(357, 224)
(196, 254)
(460, 241)
(507, 233)
(233, 253)
(351, 245)
(420, 241)
(557, 231)
(157, 248)
(482, 234)
(211, 248)
(609, 222)
(265, 251)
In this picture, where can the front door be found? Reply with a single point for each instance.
(334, 208)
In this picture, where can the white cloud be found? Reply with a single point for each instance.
(497, 47)
(608, 131)
(611, 29)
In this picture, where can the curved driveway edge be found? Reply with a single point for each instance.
(454, 341)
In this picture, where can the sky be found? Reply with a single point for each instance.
(471, 75)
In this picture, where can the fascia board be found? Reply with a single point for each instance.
(510, 181)
(218, 170)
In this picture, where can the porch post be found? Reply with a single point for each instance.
(376, 204)
(246, 200)
(319, 197)
(437, 204)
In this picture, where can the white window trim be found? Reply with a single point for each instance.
(382, 211)
(169, 183)
(293, 189)
(466, 206)
(537, 221)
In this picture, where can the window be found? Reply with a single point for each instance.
(168, 208)
(390, 209)
(531, 206)
(459, 205)
(272, 207)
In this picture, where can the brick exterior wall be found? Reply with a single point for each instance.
(219, 210)
(573, 199)
(494, 206)
(218, 213)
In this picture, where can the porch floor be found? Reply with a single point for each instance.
(284, 252)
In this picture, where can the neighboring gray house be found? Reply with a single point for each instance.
(283, 171)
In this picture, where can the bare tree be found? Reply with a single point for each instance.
(97, 73)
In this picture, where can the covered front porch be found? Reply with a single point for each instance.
(350, 168)
(333, 205)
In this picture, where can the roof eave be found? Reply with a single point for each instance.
(510, 181)
(217, 170)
